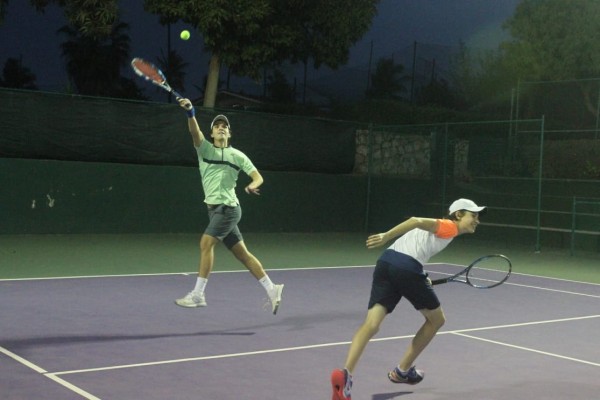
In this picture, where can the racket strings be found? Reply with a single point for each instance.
(489, 272)
(148, 71)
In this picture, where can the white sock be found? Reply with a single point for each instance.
(265, 281)
(200, 285)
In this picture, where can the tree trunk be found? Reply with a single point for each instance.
(212, 82)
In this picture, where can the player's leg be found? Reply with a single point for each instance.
(341, 379)
(219, 225)
(419, 291)
(240, 251)
(383, 299)
(405, 372)
(196, 297)
(434, 320)
(365, 332)
(207, 255)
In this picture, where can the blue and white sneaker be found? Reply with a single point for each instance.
(411, 377)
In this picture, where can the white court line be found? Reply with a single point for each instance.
(72, 387)
(42, 371)
(272, 270)
(309, 347)
(22, 360)
(49, 278)
(528, 349)
(552, 290)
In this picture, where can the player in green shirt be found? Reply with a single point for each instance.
(220, 165)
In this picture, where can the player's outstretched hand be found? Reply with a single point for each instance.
(374, 241)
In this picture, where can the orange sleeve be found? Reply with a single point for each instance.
(446, 229)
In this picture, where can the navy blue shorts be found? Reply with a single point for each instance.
(223, 224)
(391, 283)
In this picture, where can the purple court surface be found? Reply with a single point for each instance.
(123, 338)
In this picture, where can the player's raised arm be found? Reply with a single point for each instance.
(197, 135)
(379, 239)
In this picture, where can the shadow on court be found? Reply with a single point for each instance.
(389, 396)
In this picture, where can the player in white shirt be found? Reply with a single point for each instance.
(399, 273)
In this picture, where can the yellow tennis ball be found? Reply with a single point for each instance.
(184, 35)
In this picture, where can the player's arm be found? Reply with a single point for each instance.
(426, 224)
(193, 126)
(257, 180)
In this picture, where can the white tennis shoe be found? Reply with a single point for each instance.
(191, 300)
(275, 298)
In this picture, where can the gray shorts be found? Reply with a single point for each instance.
(222, 224)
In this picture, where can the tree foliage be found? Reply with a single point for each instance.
(94, 65)
(481, 79)
(92, 18)
(556, 40)
(247, 35)
(244, 35)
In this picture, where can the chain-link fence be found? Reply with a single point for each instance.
(526, 175)
(510, 166)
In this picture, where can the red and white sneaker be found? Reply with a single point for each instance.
(341, 383)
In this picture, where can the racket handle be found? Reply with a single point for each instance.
(179, 97)
(188, 107)
(176, 94)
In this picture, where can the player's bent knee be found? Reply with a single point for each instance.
(435, 317)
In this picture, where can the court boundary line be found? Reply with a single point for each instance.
(48, 375)
(267, 270)
(545, 353)
(42, 278)
(316, 346)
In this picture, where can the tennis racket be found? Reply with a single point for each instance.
(152, 73)
(484, 273)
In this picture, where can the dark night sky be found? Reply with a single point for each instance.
(398, 24)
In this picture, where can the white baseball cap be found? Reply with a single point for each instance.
(465, 204)
(219, 117)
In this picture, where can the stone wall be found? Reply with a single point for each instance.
(404, 155)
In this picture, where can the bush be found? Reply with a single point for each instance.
(567, 159)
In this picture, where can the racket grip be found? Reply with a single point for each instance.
(177, 95)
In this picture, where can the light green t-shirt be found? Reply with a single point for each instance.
(219, 169)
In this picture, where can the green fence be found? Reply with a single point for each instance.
(70, 164)
(585, 221)
(52, 126)
(510, 166)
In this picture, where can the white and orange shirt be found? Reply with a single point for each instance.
(421, 245)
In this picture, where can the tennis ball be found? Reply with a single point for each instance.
(184, 35)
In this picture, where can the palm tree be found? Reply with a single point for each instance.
(94, 64)
(15, 75)
(388, 80)
(174, 68)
